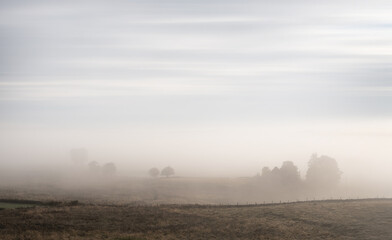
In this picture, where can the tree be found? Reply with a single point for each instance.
(109, 168)
(323, 172)
(94, 166)
(265, 172)
(289, 173)
(286, 175)
(167, 171)
(154, 172)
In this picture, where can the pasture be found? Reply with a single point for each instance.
(336, 219)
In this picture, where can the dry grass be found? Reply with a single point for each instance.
(354, 219)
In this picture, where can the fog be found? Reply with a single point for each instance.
(224, 150)
(215, 89)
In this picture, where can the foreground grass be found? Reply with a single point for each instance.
(354, 219)
(14, 203)
(4, 205)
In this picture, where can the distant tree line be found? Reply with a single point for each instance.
(167, 172)
(107, 168)
(323, 173)
(79, 156)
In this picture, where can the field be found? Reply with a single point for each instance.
(173, 190)
(6, 205)
(337, 219)
(18, 203)
(185, 208)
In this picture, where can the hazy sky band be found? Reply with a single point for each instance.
(254, 59)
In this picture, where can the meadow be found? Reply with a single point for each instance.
(333, 219)
(7, 205)
(184, 208)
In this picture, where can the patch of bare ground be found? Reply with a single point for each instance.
(345, 219)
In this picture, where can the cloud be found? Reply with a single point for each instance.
(281, 54)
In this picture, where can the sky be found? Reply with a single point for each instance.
(212, 88)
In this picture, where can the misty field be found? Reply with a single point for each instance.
(338, 219)
(187, 208)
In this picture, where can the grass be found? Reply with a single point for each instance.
(129, 238)
(144, 210)
(6, 205)
(339, 219)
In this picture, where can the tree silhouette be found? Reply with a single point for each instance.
(323, 172)
(265, 172)
(109, 168)
(286, 175)
(94, 166)
(167, 171)
(289, 173)
(153, 172)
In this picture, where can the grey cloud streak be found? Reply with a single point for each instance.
(282, 52)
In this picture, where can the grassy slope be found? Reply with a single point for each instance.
(355, 219)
